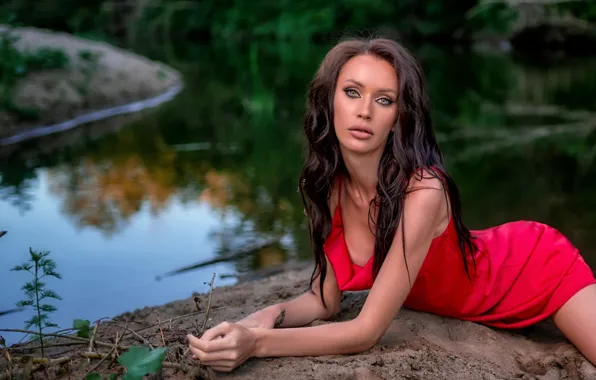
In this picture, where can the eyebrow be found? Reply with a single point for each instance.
(380, 90)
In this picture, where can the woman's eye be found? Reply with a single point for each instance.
(385, 101)
(351, 93)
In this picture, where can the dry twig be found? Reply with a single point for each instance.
(132, 332)
(163, 340)
(93, 338)
(75, 338)
(208, 305)
(105, 357)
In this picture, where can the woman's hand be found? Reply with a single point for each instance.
(224, 347)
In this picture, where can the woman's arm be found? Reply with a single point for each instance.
(307, 307)
(425, 212)
(301, 310)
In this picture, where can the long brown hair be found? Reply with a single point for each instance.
(413, 146)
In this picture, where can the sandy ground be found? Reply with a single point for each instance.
(115, 78)
(416, 346)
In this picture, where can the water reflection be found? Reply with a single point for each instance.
(518, 139)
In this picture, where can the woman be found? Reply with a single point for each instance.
(385, 215)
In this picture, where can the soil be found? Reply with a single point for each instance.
(116, 77)
(416, 346)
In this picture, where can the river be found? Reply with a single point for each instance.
(215, 170)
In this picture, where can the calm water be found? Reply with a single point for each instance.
(215, 170)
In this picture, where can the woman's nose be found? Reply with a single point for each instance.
(365, 110)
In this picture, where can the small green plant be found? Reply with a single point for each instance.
(82, 327)
(138, 361)
(40, 266)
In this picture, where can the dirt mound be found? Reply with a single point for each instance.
(98, 76)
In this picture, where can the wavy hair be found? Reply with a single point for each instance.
(412, 147)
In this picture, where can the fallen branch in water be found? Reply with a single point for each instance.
(231, 256)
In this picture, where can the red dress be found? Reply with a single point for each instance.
(525, 271)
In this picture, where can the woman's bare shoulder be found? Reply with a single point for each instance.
(426, 189)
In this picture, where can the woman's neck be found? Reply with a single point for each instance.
(363, 170)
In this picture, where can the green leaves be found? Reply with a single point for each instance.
(83, 327)
(25, 303)
(48, 308)
(140, 361)
(97, 376)
(39, 265)
(49, 294)
(23, 267)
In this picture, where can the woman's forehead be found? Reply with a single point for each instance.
(369, 71)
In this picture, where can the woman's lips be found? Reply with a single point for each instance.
(360, 133)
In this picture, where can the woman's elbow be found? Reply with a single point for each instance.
(370, 336)
(330, 311)
(367, 342)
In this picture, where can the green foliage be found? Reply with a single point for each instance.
(136, 22)
(491, 17)
(139, 22)
(83, 327)
(16, 64)
(140, 361)
(39, 266)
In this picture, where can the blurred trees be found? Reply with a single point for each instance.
(141, 21)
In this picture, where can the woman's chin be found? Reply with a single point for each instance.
(359, 147)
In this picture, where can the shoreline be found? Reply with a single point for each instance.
(113, 82)
(416, 345)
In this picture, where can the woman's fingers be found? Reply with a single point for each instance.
(219, 330)
(224, 343)
(219, 347)
(206, 357)
(224, 367)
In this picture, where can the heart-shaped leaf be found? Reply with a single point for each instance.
(82, 326)
(128, 376)
(140, 361)
(93, 376)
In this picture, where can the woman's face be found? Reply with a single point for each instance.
(365, 104)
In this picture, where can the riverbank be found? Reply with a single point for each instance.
(416, 346)
(99, 81)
